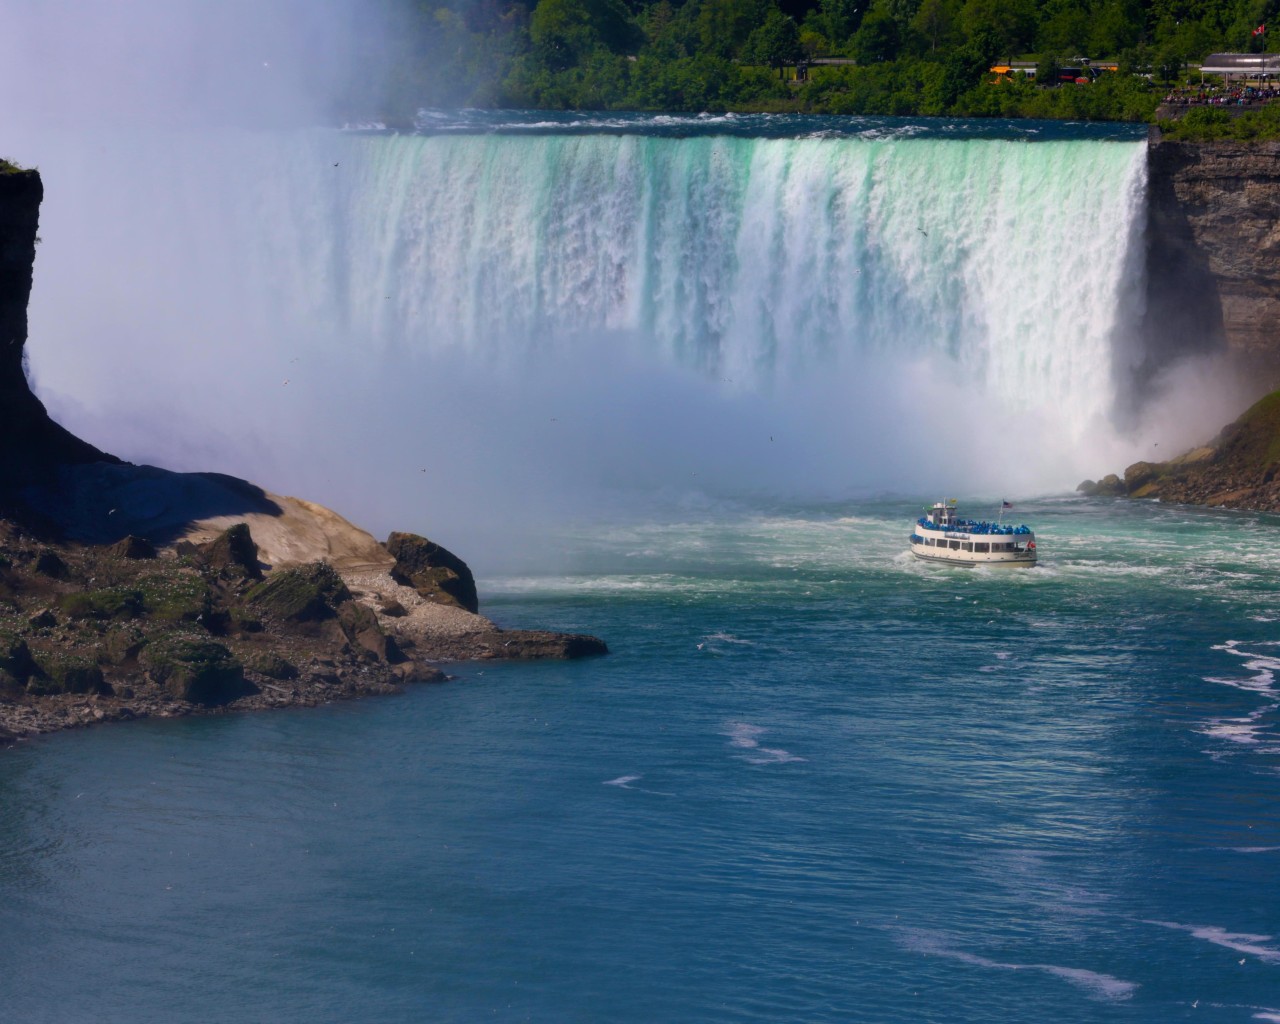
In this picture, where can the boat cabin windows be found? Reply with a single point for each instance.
(981, 548)
(966, 546)
(955, 545)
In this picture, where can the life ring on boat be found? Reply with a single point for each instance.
(1031, 545)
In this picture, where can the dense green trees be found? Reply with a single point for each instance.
(897, 56)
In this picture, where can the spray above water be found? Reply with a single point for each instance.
(464, 333)
(555, 315)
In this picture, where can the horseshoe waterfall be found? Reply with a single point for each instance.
(597, 309)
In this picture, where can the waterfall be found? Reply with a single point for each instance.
(893, 313)
(1007, 263)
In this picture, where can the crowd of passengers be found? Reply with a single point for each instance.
(1237, 96)
(973, 526)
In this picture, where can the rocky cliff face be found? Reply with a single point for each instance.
(1214, 254)
(29, 440)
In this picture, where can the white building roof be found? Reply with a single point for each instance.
(1241, 64)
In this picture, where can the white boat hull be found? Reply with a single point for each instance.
(967, 559)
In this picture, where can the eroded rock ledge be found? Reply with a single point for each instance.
(93, 632)
(130, 592)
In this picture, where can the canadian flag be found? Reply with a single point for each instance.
(1260, 30)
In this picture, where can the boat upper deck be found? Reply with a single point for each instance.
(975, 526)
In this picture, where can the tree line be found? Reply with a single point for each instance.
(907, 57)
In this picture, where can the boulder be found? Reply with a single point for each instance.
(360, 626)
(133, 547)
(51, 564)
(392, 608)
(196, 670)
(1110, 486)
(308, 593)
(43, 619)
(61, 674)
(1139, 475)
(9, 684)
(15, 658)
(273, 666)
(234, 553)
(434, 572)
(112, 603)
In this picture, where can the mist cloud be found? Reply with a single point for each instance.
(185, 64)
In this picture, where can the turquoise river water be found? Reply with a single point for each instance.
(814, 781)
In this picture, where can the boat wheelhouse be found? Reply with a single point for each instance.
(940, 535)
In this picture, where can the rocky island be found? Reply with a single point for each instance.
(130, 591)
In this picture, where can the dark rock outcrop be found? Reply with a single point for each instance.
(233, 551)
(98, 625)
(195, 669)
(133, 547)
(1109, 486)
(434, 572)
(308, 593)
(30, 442)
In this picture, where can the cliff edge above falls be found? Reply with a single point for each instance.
(1213, 254)
(130, 591)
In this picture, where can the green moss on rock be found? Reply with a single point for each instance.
(309, 593)
(181, 598)
(195, 669)
(273, 666)
(112, 603)
(62, 673)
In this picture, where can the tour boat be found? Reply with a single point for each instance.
(940, 535)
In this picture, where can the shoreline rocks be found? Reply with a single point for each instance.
(114, 637)
(1240, 468)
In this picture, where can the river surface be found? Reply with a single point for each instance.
(815, 781)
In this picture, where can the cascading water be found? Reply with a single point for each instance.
(555, 310)
(752, 258)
